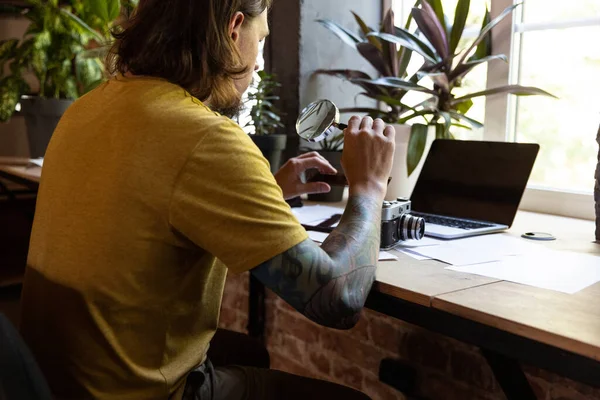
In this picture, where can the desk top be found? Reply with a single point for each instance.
(29, 173)
(569, 322)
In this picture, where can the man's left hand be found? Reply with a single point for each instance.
(289, 177)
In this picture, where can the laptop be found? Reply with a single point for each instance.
(469, 188)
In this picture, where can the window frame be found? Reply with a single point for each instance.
(501, 111)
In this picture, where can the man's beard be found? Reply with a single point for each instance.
(232, 111)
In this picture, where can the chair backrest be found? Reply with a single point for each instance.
(20, 376)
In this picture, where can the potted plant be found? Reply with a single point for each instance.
(56, 51)
(444, 67)
(265, 119)
(331, 149)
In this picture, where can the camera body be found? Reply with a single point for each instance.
(398, 225)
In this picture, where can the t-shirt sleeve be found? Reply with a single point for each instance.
(227, 202)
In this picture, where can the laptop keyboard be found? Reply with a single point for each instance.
(452, 222)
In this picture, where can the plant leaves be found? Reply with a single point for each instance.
(11, 90)
(486, 30)
(407, 43)
(432, 29)
(460, 19)
(373, 56)
(341, 32)
(463, 69)
(366, 30)
(78, 23)
(461, 117)
(438, 8)
(441, 132)
(397, 83)
(464, 107)
(7, 50)
(440, 79)
(517, 90)
(416, 146)
(390, 55)
(484, 48)
(343, 73)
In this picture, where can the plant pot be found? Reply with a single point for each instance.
(272, 147)
(337, 192)
(401, 184)
(41, 117)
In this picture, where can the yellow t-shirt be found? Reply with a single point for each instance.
(147, 198)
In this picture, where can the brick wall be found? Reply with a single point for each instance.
(446, 369)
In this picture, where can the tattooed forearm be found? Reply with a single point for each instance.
(330, 284)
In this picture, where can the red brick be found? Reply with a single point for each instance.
(436, 386)
(290, 346)
(472, 368)
(348, 374)
(297, 325)
(422, 348)
(387, 334)
(378, 390)
(233, 320)
(321, 362)
(282, 362)
(365, 355)
(361, 329)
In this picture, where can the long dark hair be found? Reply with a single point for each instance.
(186, 42)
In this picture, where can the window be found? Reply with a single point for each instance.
(551, 47)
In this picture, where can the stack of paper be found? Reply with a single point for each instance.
(562, 271)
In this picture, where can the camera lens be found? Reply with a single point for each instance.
(411, 227)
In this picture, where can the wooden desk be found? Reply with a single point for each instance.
(19, 171)
(511, 323)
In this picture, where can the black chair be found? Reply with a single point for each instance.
(20, 377)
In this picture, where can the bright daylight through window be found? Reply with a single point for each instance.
(551, 46)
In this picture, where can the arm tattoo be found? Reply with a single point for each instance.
(330, 284)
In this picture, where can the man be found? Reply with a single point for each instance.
(148, 197)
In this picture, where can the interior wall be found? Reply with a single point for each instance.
(321, 49)
(13, 136)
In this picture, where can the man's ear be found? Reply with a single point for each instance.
(235, 25)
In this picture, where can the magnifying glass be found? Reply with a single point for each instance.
(319, 120)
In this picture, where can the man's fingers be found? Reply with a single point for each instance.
(390, 132)
(366, 123)
(315, 187)
(354, 123)
(310, 154)
(315, 162)
(378, 126)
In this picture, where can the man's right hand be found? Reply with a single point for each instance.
(368, 154)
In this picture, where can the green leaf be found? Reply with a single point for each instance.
(447, 121)
(461, 117)
(464, 107)
(11, 90)
(486, 30)
(407, 43)
(341, 32)
(78, 23)
(366, 30)
(8, 49)
(416, 146)
(396, 83)
(517, 90)
(441, 132)
(484, 48)
(463, 69)
(106, 10)
(460, 19)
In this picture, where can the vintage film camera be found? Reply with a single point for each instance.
(398, 225)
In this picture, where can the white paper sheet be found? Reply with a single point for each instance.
(416, 256)
(37, 161)
(320, 237)
(562, 271)
(478, 249)
(426, 241)
(313, 215)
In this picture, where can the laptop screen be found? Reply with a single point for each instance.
(474, 179)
